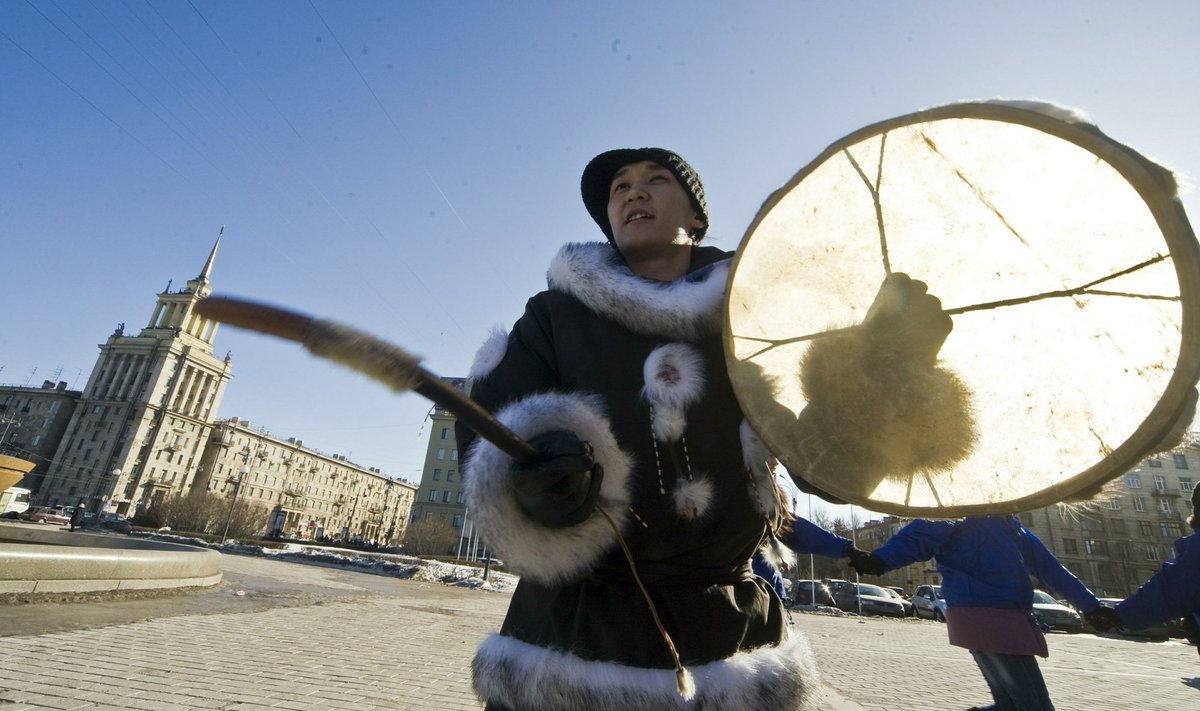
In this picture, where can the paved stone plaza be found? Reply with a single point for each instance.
(305, 637)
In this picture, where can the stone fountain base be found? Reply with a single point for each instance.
(45, 558)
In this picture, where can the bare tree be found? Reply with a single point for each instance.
(206, 512)
(430, 538)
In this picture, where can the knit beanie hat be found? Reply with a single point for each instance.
(598, 175)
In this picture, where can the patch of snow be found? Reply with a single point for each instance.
(389, 564)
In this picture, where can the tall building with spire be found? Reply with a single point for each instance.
(147, 410)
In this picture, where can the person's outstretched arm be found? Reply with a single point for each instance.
(1042, 563)
(1173, 592)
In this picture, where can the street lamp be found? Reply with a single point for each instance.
(108, 491)
(237, 489)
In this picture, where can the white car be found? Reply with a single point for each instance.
(927, 602)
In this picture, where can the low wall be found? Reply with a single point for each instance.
(41, 558)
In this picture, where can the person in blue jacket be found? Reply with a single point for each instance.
(1173, 592)
(986, 564)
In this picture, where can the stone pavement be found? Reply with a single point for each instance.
(306, 637)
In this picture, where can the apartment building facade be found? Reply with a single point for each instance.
(32, 423)
(441, 496)
(311, 495)
(144, 429)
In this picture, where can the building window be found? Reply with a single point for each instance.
(445, 433)
(433, 494)
(462, 497)
(1139, 504)
(458, 521)
(447, 496)
(1096, 547)
(1155, 463)
(1133, 481)
(449, 475)
(1152, 552)
(1160, 483)
(1180, 461)
(1164, 505)
(441, 454)
(1069, 546)
(1169, 530)
(1145, 528)
(454, 456)
(1114, 504)
(1185, 484)
(437, 474)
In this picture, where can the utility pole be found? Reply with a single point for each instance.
(237, 489)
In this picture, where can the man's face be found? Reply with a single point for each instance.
(648, 208)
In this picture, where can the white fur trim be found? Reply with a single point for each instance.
(760, 465)
(693, 498)
(547, 555)
(1069, 114)
(674, 377)
(523, 676)
(489, 354)
(686, 309)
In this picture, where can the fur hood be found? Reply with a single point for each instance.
(687, 309)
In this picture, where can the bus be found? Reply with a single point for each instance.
(13, 501)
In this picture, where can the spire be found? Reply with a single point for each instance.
(212, 256)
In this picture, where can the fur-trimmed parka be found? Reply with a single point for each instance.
(636, 368)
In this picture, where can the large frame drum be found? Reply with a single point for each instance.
(1067, 264)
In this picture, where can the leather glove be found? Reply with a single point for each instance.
(855, 554)
(906, 319)
(559, 488)
(866, 563)
(1104, 619)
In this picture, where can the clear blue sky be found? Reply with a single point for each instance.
(411, 167)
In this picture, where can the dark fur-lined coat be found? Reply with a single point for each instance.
(636, 368)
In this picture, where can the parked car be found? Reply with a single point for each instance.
(899, 591)
(927, 602)
(46, 514)
(869, 599)
(802, 593)
(1173, 628)
(1055, 615)
(909, 608)
(113, 522)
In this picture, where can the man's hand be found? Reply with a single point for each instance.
(560, 487)
(907, 319)
(866, 563)
(1104, 619)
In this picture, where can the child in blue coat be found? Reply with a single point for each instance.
(986, 564)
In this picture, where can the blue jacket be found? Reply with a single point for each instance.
(804, 536)
(770, 573)
(1173, 592)
(985, 562)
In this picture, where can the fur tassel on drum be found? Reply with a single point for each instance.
(872, 415)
